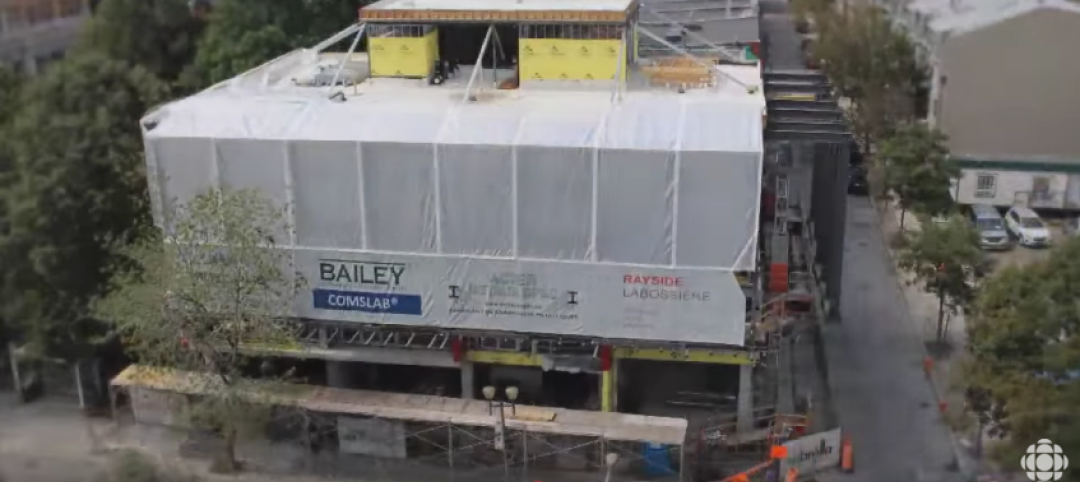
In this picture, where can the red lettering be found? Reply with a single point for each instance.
(635, 279)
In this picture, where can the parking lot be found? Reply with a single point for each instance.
(1020, 256)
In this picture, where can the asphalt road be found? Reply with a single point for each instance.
(883, 401)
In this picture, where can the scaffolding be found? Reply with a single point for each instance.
(418, 437)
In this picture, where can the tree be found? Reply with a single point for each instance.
(199, 301)
(76, 192)
(243, 34)
(135, 467)
(873, 64)
(159, 35)
(918, 170)
(1024, 349)
(944, 258)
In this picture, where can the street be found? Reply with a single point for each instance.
(883, 400)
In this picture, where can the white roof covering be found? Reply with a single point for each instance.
(388, 110)
(502, 5)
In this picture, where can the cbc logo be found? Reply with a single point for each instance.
(1044, 461)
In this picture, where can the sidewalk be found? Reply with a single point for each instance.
(49, 441)
(923, 311)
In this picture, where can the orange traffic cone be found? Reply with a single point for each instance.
(847, 456)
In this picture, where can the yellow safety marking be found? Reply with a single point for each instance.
(504, 358)
(607, 391)
(693, 355)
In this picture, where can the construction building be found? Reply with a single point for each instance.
(34, 33)
(508, 194)
(979, 54)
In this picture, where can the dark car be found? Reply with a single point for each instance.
(857, 183)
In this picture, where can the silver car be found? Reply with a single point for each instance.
(993, 234)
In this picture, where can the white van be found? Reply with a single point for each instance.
(1027, 226)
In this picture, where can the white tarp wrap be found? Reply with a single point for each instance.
(570, 188)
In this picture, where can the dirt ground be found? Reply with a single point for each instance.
(1021, 256)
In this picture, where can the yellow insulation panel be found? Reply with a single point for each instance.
(403, 56)
(569, 59)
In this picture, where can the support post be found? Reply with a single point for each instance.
(745, 401)
(337, 374)
(79, 384)
(468, 381)
(450, 447)
(344, 58)
(607, 390)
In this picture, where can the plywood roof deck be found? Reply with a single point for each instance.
(420, 408)
(521, 11)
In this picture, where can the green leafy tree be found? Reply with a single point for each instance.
(918, 170)
(242, 34)
(1024, 350)
(198, 303)
(944, 259)
(159, 35)
(76, 192)
(873, 64)
(135, 467)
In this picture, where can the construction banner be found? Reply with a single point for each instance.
(569, 59)
(812, 453)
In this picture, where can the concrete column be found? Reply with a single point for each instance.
(468, 384)
(745, 407)
(337, 374)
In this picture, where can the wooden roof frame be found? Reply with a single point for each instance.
(496, 16)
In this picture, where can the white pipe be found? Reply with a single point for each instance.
(352, 48)
(619, 61)
(337, 37)
(479, 63)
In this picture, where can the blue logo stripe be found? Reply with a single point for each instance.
(387, 303)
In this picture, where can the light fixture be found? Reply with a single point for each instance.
(611, 458)
(489, 392)
(511, 393)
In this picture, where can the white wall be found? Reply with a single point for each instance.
(1012, 187)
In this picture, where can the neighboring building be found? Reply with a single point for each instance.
(34, 33)
(578, 223)
(1004, 91)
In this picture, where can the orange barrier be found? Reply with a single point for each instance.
(777, 452)
(792, 475)
(847, 456)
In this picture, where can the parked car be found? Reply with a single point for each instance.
(857, 183)
(1028, 227)
(991, 228)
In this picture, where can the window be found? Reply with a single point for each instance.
(985, 185)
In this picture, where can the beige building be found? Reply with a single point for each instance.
(36, 32)
(1004, 77)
